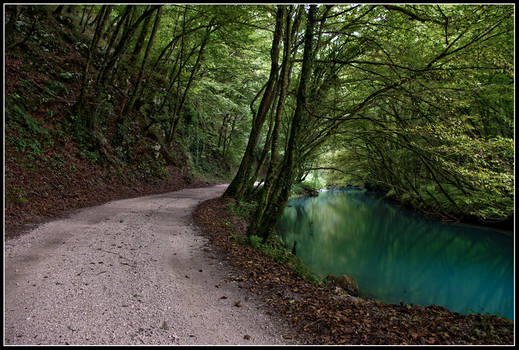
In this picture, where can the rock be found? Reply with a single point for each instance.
(348, 283)
(353, 299)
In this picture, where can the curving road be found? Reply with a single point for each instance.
(132, 271)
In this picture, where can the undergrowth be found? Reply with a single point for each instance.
(273, 247)
(276, 249)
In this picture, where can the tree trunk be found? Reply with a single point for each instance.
(120, 24)
(83, 15)
(89, 15)
(93, 46)
(141, 38)
(177, 67)
(11, 25)
(146, 53)
(122, 45)
(178, 106)
(58, 10)
(98, 15)
(228, 138)
(221, 132)
(249, 187)
(237, 187)
(266, 218)
(286, 68)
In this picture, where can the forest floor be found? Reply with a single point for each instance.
(134, 271)
(53, 194)
(323, 314)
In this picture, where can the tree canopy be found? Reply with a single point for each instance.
(413, 100)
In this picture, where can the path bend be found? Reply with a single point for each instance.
(132, 271)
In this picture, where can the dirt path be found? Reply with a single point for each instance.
(132, 271)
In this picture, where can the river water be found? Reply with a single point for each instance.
(398, 255)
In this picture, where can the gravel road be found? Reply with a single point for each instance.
(132, 271)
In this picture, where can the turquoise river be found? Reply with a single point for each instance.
(398, 255)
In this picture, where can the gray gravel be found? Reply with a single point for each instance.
(133, 271)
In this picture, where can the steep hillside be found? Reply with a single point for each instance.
(53, 164)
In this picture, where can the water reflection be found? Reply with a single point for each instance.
(397, 255)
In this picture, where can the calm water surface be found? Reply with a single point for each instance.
(398, 255)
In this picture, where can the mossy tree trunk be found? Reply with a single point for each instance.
(14, 13)
(291, 30)
(122, 45)
(145, 27)
(238, 186)
(144, 59)
(120, 23)
(268, 214)
(181, 101)
(78, 108)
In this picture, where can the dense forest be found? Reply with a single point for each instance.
(413, 101)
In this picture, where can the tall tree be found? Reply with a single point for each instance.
(137, 83)
(269, 214)
(238, 185)
(122, 45)
(101, 20)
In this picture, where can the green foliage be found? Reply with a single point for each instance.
(17, 195)
(443, 141)
(242, 208)
(57, 162)
(67, 76)
(149, 170)
(90, 156)
(441, 168)
(276, 250)
(26, 134)
(20, 116)
(304, 189)
(56, 88)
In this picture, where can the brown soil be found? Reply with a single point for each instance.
(53, 195)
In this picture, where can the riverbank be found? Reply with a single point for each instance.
(324, 315)
(506, 225)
